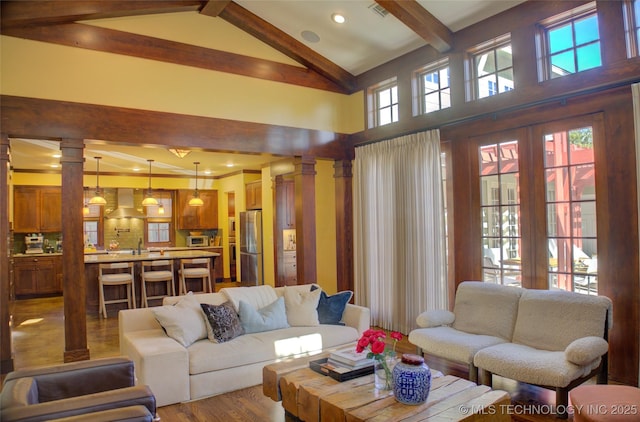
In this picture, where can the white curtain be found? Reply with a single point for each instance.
(399, 232)
(635, 92)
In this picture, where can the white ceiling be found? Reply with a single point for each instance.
(363, 42)
(366, 39)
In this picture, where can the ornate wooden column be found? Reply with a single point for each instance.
(6, 358)
(344, 223)
(305, 178)
(73, 281)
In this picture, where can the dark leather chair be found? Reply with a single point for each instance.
(75, 389)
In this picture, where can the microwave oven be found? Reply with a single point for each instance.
(196, 241)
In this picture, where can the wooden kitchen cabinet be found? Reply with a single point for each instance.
(37, 209)
(218, 263)
(197, 218)
(254, 195)
(290, 271)
(37, 275)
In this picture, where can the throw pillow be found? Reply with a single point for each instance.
(224, 324)
(270, 317)
(302, 307)
(183, 321)
(331, 308)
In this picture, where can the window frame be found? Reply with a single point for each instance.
(542, 39)
(632, 27)
(418, 81)
(373, 103)
(167, 199)
(473, 79)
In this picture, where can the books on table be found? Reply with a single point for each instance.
(350, 358)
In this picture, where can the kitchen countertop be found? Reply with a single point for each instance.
(145, 256)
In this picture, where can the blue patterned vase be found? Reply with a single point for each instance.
(411, 380)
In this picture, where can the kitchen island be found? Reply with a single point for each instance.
(92, 261)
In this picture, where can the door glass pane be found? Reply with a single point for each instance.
(500, 207)
(571, 210)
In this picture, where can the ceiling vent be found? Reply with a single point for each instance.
(378, 10)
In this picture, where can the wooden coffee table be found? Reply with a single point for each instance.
(309, 396)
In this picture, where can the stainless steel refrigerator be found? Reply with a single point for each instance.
(251, 261)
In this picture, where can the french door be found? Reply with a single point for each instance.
(538, 205)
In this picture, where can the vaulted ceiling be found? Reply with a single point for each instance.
(315, 51)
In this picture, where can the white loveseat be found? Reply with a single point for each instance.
(551, 338)
(176, 373)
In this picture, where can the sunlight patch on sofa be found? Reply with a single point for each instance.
(307, 344)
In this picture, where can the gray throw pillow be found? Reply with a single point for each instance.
(224, 324)
(270, 317)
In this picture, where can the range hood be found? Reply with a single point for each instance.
(125, 206)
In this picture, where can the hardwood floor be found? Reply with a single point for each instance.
(38, 339)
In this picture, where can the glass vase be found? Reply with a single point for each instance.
(383, 372)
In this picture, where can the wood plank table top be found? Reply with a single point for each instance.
(310, 397)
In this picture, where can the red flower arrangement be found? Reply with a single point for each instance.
(373, 340)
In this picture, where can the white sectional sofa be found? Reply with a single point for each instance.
(176, 373)
(551, 338)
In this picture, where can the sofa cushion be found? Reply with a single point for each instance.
(271, 317)
(331, 308)
(19, 392)
(585, 350)
(256, 296)
(267, 346)
(452, 344)
(223, 322)
(184, 322)
(485, 308)
(302, 307)
(572, 316)
(530, 365)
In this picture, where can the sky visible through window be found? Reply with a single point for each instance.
(574, 46)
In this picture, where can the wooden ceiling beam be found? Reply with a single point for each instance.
(38, 12)
(420, 21)
(214, 7)
(125, 43)
(281, 41)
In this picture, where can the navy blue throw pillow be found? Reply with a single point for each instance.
(331, 308)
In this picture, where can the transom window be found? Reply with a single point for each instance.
(383, 103)
(434, 89)
(570, 42)
(492, 68)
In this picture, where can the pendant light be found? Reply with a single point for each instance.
(97, 199)
(196, 201)
(85, 208)
(149, 200)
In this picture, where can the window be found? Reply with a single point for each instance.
(492, 68)
(632, 27)
(434, 90)
(91, 233)
(159, 222)
(571, 209)
(570, 43)
(500, 208)
(383, 103)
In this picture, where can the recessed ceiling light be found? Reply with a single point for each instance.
(136, 169)
(229, 164)
(338, 18)
(57, 155)
(310, 36)
(207, 172)
(55, 166)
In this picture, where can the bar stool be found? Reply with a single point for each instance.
(159, 271)
(195, 268)
(113, 275)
